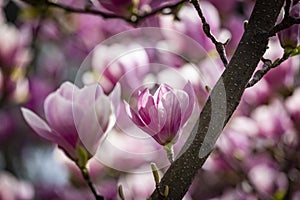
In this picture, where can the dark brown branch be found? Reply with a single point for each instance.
(230, 86)
(287, 8)
(267, 66)
(134, 19)
(206, 28)
(286, 23)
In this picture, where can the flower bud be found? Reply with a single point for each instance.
(289, 37)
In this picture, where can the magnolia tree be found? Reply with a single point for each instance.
(108, 99)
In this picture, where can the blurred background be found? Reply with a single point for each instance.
(256, 157)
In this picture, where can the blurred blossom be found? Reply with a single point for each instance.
(13, 189)
(163, 114)
(191, 25)
(235, 26)
(138, 186)
(290, 36)
(75, 117)
(283, 76)
(124, 151)
(236, 140)
(267, 179)
(119, 63)
(100, 176)
(88, 29)
(14, 56)
(255, 96)
(224, 7)
(13, 51)
(292, 105)
(272, 120)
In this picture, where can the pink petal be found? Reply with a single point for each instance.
(188, 88)
(38, 125)
(183, 100)
(173, 112)
(88, 95)
(95, 122)
(147, 103)
(115, 97)
(163, 88)
(67, 89)
(61, 115)
(143, 98)
(133, 115)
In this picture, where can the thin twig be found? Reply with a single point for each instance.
(206, 28)
(287, 21)
(267, 66)
(134, 19)
(85, 173)
(287, 8)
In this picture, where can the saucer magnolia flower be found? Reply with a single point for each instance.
(163, 114)
(76, 118)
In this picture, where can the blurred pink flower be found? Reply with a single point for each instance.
(163, 114)
(191, 26)
(292, 105)
(283, 76)
(267, 179)
(127, 64)
(272, 120)
(13, 189)
(75, 117)
(13, 51)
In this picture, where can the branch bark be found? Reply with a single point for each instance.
(231, 85)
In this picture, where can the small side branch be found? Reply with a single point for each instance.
(286, 23)
(287, 20)
(220, 47)
(133, 19)
(267, 66)
(86, 176)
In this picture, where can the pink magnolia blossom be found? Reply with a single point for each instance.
(163, 114)
(75, 117)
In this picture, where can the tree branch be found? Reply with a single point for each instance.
(220, 47)
(286, 23)
(134, 19)
(267, 66)
(230, 86)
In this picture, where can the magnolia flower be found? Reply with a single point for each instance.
(163, 114)
(76, 117)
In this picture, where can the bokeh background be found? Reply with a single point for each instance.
(256, 157)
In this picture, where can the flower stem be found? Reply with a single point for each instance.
(85, 173)
(170, 152)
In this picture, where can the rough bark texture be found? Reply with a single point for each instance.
(231, 85)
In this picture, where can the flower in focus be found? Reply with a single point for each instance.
(289, 37)
(163, 114)
(76, 117)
